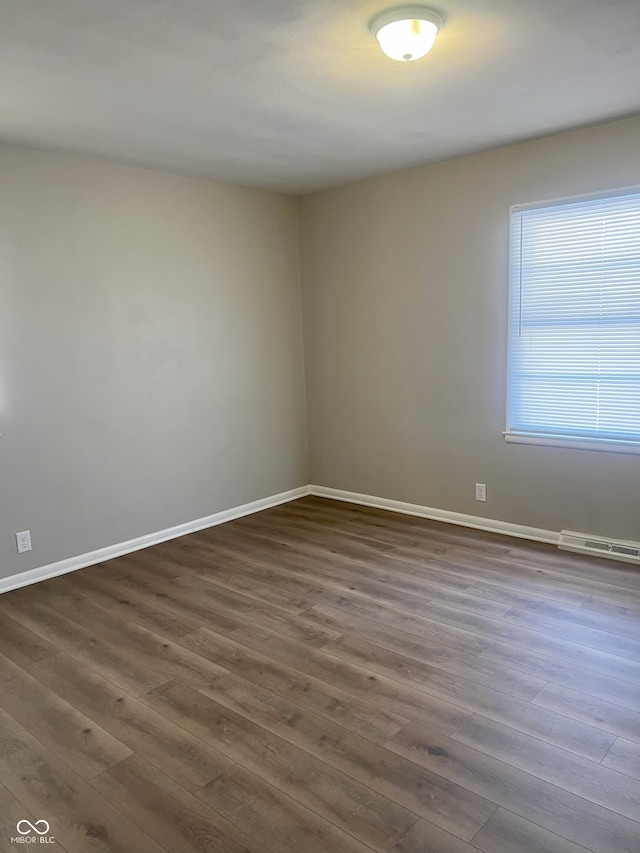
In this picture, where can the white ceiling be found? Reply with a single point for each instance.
(295, 95)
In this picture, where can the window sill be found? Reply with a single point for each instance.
(573, 443)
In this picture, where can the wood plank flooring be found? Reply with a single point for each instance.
(326, 678)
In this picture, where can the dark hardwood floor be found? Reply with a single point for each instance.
(326, 678)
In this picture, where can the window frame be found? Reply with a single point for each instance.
(549, 439)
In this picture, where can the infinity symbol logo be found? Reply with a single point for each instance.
(32, 827)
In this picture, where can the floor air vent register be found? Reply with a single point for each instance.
(583, 543)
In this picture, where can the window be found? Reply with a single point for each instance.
(574, 323)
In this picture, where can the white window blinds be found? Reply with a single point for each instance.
(574, 321)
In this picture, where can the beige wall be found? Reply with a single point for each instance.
(151, 367)
(405, 312)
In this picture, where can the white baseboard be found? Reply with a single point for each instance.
(62, 567)
(101, 555)
(475, 521)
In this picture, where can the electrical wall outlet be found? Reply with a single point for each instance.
(481, 492)
(23, 541)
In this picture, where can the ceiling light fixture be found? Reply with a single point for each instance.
(406, 32)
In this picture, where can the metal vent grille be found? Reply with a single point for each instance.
(593, 543)
(624, 549)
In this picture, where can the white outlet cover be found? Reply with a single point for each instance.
(23, 541)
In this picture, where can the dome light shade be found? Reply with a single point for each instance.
(407, 32)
